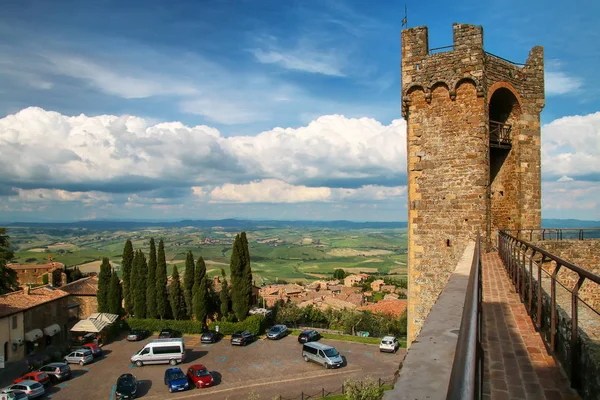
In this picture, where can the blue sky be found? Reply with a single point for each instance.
(311, 87)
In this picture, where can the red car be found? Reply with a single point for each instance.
(96, 350)
(200, 376)
(40, 377)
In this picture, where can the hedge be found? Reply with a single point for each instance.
(254, 324)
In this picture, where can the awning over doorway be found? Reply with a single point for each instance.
(33, 335)
(52, 330)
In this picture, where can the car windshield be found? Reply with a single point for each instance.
(63, 368)
(202, 372)
(177, 375)
(275, 329)
(36, 386)
(126, 383)
(331, 352)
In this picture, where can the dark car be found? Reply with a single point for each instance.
(126, 387)
(277, 332)
(176, 380)
(308, 335)
(241, 338)
(137, 334)
(57, 371)
(210, 337)
(169, 334)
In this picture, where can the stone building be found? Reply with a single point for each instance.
(83, 299)
(351, 280)
(33, 274)
(31, 320)
(473, 133)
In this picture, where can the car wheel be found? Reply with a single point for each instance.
(139, 363)
(305, 358)
(173, 362)
(81, 362)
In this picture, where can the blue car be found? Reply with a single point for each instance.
(176, 380)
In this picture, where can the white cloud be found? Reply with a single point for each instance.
(558, 82)
(578, 199)
(313, 61)
(49, 195)
(571, 147)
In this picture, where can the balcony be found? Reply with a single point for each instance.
(500, 135)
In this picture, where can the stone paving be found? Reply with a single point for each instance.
(517, 364)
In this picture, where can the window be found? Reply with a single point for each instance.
(167, 350)
(310, 350)
(14, 322)
(145, 351)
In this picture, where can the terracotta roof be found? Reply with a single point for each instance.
(393, 308)
(35, 266)
(82, 287)
(15, 302)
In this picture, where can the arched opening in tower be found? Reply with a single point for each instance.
(504, 113)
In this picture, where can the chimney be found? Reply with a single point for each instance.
(27, 290)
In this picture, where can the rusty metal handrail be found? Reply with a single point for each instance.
(510, 249)
(555, 233)
(466, 378)
(500, 133)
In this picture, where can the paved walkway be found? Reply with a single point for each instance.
(517, 365)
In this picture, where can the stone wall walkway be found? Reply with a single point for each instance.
(517, 365)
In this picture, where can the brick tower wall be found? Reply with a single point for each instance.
(445, 101)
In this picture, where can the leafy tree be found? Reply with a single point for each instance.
(162, 302)
(339, 274)
(200, 292)
(76, 274)
(365, 390)
(103, 285)
(176, 295)
(8, 276)
(127, 266)
(241, 277)
(138, 279)
(189, 281)
(151, 283)
(288, 312)
(115, 295)
(224, 296)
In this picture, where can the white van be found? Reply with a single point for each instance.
(161, 351)
(322, 354)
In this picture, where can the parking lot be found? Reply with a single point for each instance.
(266, 367)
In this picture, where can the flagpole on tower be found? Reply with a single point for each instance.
(405, 19)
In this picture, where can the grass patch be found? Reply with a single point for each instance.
(382, 389)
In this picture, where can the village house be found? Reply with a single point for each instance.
(377, 284)
(31, 320)
(351, 280)
(388, 288)
(33, 274)
(83, 300)
(284, 292)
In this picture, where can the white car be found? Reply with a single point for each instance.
(31, 388)
(389, 344)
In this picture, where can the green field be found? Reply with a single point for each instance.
(291, 254)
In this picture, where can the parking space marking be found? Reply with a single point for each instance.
(368, 354)
(62, 385)
(347, 351)
(277, 362)
(259, 384)
(112, 392)
(233, 369)
(221, 360)
(296, 361)
(256, 366)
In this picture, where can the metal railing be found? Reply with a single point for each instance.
(466, 378)
(500, 135)
(517, 255)
(441, 49)
(556, 233)
(326, 392)
(504, 59)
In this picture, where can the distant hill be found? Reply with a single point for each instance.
(569, 223)
(225, 223)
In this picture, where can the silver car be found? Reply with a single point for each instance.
(31, 388)
(79, 356)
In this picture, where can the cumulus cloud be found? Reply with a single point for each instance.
(125, 154)
(558, 82)
(571, 148)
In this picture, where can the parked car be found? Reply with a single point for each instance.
(176, 380)
(13, 395)
(389, 344)
(126, 387)
(57, 371)
(94, 348)
(241, 338)
(78, 341)
(32, 389)
(210, 337)
(309, 335)
(169, 334)
(200, 376)
(80, 356)
(322, 354)
(137, 334)
(277, 332)
(37, 376)
(160, 351)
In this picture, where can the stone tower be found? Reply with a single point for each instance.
(473, 137)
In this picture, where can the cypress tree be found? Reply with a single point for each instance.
(115, 295)
(139, 285)
(200, 292)
(238, 291)
(103, 285)
(246, 272)
(127, 265)
(189, 282)
(224, 296)
(151, 283)
(161, 282)
(176, 295)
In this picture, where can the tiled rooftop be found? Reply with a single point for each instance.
(51, 265)
(390, 307)
(19, 301)
(82, 287)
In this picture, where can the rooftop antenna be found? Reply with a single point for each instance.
(405, 19)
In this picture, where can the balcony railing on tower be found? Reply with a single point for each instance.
(500, 135)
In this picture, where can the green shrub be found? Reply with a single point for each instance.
(255, 324)
(366, 390)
